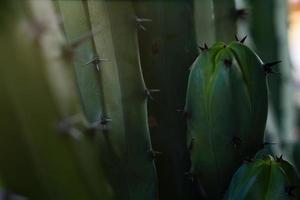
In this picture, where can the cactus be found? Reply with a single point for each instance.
(268, 29)
(204, 22)
(167, 50)
(120, 117)
(43, 153)
(224, 20)
(78, 33)
(226, 107)
(265, 178)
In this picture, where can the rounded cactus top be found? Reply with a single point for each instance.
(266, 178)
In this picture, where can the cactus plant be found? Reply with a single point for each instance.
(224, 20)
(268, 30)
(120, 103)
(43, 154)
(204, 22)
(167, 48)
(265, 178)
(226, 107)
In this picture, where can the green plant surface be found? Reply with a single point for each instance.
(125, 140)
(225, 19)
(265, 178)
(167, 48)
(268, 31)
(221, 130)
(43, 152)
(77, 29)
(204, 22)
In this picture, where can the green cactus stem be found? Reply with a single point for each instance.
(122, 130)
(225, 19)
(167, 48)
(226, 105)
(268, 29)
(43, 153)
(265, 178)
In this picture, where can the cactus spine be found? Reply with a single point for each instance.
(41, 149)
(265, 178)
(222, 131)
(167, 50)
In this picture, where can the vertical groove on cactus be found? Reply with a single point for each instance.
(167, 48)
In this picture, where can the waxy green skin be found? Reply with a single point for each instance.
(226, 107)
(265, 178)
(167, 48)
(116, 91)
(39, 157)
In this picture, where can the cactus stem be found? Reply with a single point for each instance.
(268, 67)
(84, 38)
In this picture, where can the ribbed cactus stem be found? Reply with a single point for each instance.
(227, 106)
(168, 48)
(41, 141)
(76, 26)
(224, 20)
(204, 22)
(127, 138)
